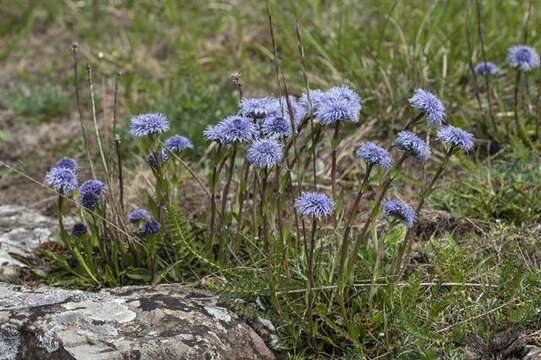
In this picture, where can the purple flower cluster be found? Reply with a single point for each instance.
(412, 145)
(456, 137)
(314, 204)
(78, 229)
(523, 58)
(258, 108)
(486, 68)
(68, 163)
(337, 104)
(276, 126)
(149, 225)
(62, 179)
(231, 130)
(91, 193)
(400, 210)
(148, 124)
(177, 143)
(374, 155)
(429, 105)
(162, 156)
(264, 153)
(139, 215)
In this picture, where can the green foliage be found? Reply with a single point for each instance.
(505, 190)
(37, 103)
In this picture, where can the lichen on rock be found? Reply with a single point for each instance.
(166, 321)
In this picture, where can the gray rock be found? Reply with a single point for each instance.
(21, 230)
(162, 322)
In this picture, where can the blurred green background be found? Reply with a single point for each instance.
(176, 55)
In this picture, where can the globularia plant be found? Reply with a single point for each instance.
(270, 211)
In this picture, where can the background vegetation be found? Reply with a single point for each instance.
(482, 227)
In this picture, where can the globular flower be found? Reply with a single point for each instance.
(310, 100)
(429, 105)
(89, 200)
(338, 104)
(454, 136)
(314, 204)
(413, 145)
(68, 163)
(374, 155)
(151, 227)
(163, 155)
(62, 179)
(90, 193)
(276, 126)
(258, 108)
(148, 124)
(264, 153)
(400, 210)
(139, 215)
(78, 229)
(95, 186)
(233, 129)
(486, 68)
(522, 58)
(177, 143)
(296, 109)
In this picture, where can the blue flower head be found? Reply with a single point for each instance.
(456, 137)
(276, 126)
(139, 215)
(264, 153)
(338, 104)
(258, 108)
(62, 179)
(78, 229)
(296, 108)
(233, 129)
(148, 124)
(374, 155)
(90, 193)
(314, 204)
(429, 105)
(486, 68)
(177, 143)
(522, 58)
(95, 186)
(163, 155)
(400, 210)
(314, 102)
(68, 163)
(151, 227)
(412, 145)
(89, 200)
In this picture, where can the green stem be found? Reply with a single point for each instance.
(408, 239)
(334, 155)
(311, 280)
(351, 218)
(350, 266)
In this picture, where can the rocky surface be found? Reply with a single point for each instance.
(163, 322)
(21, 230)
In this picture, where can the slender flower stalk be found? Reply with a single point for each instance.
(351, 218)
(350, 265)
(116, 138)
(407, 243)
(313, 205)
(225, 195)
(334, 156)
